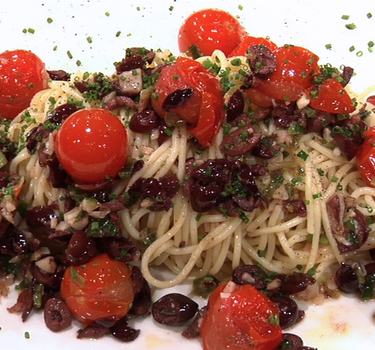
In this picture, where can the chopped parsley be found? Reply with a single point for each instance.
(303, 155)
(351, 26)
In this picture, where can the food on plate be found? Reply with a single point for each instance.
(208, 164)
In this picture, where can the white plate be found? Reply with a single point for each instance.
(344, 324)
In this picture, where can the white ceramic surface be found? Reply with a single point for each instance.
(340, 325)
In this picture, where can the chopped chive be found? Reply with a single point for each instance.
(107, 14)
(49, 20)
(311, 272)
(370, 44)
(168, 132)
(27, 335)
(31, 30)
(335, 179)
(303, 155)
(240, 7)
(54, 48)
(346, 17)
(369, 15)
(359, 54)
(171, 8)
(236, 62)
(118, 34)
(78, 63)
(351, 26)
(329, 46)
(317, 195)
(89, 39)
(69, 54)
(351, 48)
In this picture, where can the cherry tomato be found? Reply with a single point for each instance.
(294, 73)
(22, 75)
(210, 30)
(371, 99)
(98, 290)
(203, 110)
(331, 97)
(241, 318)
(258, 98)
(92, 145)
(248, 41)
(366, 157)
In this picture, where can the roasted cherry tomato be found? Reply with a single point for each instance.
(248, 41)
(331, 97)
(240, 317)
(202, 108)
(258, 98)
(22, 75)
(208, 30)
(371, 99)
(294, 73)
(366, 157)
(92, 145)
(101, 289)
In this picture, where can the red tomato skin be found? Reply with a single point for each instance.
(371, 99)
(248, 41)
(240, 321)
(258, 98)
(22, 75)
(296, 67)
(204, 109)
(332, 98)
(210, 30)
(98, 290)
(166, 84)
(366, 158)
(92, 145)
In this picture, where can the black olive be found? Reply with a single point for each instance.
(290, 314)
(346, 279)
(174, 309)
(144, 122)
(250, 274)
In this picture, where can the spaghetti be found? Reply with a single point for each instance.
(310, 168)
